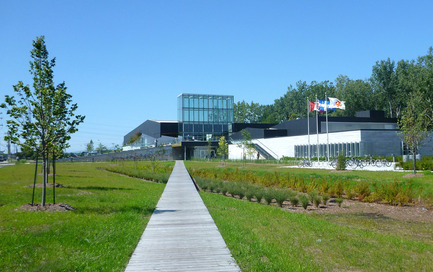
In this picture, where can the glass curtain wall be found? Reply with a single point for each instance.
(204, 116)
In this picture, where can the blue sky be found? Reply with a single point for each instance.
(126, 61)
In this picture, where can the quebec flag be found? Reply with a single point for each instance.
(334, 103)
(322, 106)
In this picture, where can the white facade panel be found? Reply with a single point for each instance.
(285, 146)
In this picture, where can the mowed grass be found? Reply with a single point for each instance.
(100, 235)
(266, 238)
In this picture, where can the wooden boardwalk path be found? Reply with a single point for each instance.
(181, 235)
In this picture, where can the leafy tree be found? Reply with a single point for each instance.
(43, 118)
(357, 94)
(248, 113)
(421, 76)
(414, 123)
(384, 80)
(101, 148)
(223, 149)
(269, 115)
(90, 147)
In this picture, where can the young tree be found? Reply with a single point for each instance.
(42, 117)
(223, 149)
(414, 124)
(101, 148)
(209, 149)
(246, 144)
(90, 147)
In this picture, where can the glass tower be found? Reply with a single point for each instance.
(202, 117)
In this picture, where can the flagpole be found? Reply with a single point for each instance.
(308, 125)
(327, 132)
(317, 130)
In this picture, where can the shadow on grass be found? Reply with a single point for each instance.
(110, 210)
(100, 188)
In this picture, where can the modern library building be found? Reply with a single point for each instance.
(204, 118)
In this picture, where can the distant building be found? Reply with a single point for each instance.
(369, 133)
(203, 117)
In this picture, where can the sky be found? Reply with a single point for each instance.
(125, 62)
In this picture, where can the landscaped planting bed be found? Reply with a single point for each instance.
(395, 192)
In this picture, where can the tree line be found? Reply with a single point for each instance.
(390, 88)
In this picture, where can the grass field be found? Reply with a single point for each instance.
(266, 238)
(100, 235)
(112, 211)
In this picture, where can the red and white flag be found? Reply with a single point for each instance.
(314, 106)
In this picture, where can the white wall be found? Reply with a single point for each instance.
(236, 153)
(374, 142)
(285, 146)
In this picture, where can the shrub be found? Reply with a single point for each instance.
(317, 200)
(280, 196)
(341, 160)
(350, 194)
(339, 201)
(304, 201)
(258, 193)
(232, 188)
(211, 186)
(240, 192)
(268, 196)
(325, 199)
(294, 200)
(249, 193)
(363, 190)
(312, 195)
(218, 188)
(224, 189)
(339, 189)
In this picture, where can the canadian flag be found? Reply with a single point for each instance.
(314, 106)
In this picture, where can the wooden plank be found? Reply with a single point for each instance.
(181, 235)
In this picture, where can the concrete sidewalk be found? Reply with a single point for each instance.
(181, 235)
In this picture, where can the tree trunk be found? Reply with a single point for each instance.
(414, 161)
(45, 177)
(390, 109)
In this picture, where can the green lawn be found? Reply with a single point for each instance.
(100, 235)
(112, 211)
(266, 238)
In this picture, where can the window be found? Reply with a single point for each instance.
(200, 100)
(186, 115)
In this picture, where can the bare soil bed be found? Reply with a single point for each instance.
(415, 213)
(37, 207)
(405, 213)
(40, 185)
